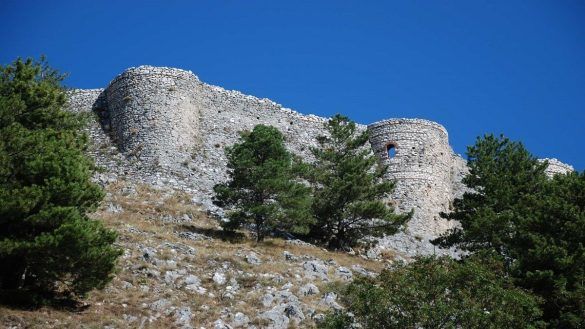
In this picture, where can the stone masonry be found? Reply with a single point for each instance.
(164, 126)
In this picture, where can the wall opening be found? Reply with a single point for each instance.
(391, 150)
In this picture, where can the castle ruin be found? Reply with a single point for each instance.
(164, 126)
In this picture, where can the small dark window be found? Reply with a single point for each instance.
(391, 150)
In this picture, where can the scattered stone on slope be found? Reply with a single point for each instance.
(281, 315)
(114, 208)
(160, 305)
(289, 257)
(309, 289)
(297, 242)
(253, 259)
(219, 278)
(362, 271)
(149, 254)
(330, 300)
(316, 269)
(183, 317)
(193, 236)
(219, 324)
(343, 273)
(171, 277)
(240, 320)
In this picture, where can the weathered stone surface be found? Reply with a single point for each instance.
(309, 289)
(183, 317)
(240, 320)
(253, 259)
(330, 300)
(219, 278)
(343, 273)
(316, 269)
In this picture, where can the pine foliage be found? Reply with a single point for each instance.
(48, 245)
(536, 224)
(349, 188)
(263, 188)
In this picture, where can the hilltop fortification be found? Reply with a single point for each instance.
(164, 126)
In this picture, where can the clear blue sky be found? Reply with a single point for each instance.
(512, 67)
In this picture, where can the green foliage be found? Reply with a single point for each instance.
(536, 224)
(550, 251)
(501, 172)
(47, 243)
(437, 293)
(263, 189)
(349, 188)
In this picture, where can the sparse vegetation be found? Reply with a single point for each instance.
(139, 223)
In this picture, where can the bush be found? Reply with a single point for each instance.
(437, 293)
(48, 245)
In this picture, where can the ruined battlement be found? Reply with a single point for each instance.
(167, 122)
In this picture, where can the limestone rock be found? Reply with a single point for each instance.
(240, 320)
(253, 259)
(316, 269)
(343, 273)
(309, 289)
(219, 278)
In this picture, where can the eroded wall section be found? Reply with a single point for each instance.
(154, 114)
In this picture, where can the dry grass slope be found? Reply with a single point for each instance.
(167, 239)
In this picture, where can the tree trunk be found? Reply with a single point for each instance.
(259, 229)
(11, 274)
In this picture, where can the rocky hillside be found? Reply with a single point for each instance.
(180, 270)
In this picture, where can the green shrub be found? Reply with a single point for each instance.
(437, 293)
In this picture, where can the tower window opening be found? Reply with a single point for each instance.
(391, 150)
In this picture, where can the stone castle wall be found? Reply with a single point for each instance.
(165, 126)
(154, 113)
(422, 168)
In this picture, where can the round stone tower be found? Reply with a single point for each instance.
(153, 113)
(419, 159)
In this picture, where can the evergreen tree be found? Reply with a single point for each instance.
(263, 188)
(549, 253)
(47, 243)
(536, 224)
(437, 293)
(349, 188)
(501, 174)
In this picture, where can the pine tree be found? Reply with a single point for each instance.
(48, 245)
(501, 173)
(536, 224)
(263, 189)
(349, 188)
